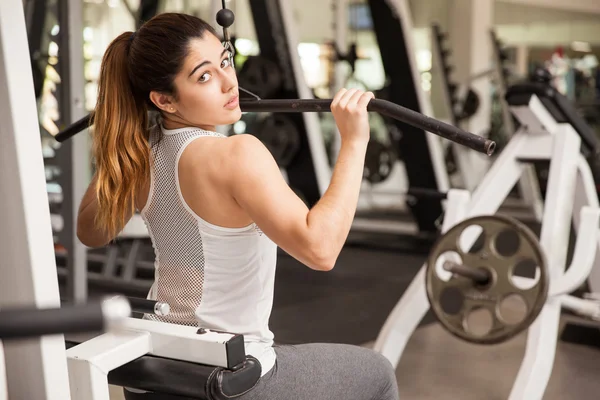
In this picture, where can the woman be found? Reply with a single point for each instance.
(217, 207)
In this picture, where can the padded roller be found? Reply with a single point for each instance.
(182, 380)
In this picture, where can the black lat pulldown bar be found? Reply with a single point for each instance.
(383, 107)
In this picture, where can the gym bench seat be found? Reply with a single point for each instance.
(170, 379)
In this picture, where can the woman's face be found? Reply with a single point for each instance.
(207, 88)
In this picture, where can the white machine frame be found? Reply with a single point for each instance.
(570, 194)
(91, 361)
(36, 368)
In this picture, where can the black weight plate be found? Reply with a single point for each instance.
(379, 161)
(501, 265)
(260, 76)
(280, 135)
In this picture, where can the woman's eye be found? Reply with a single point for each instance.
(204, 77)
(225, 63)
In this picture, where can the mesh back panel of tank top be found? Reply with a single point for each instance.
(175, 236)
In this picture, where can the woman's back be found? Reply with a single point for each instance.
(213, 277)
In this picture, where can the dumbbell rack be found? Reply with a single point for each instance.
(457, 160)
(529, 187)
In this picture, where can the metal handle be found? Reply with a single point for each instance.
(21, 323)
(149, 306)
(478, 275)
(383, 107)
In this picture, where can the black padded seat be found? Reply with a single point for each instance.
(170, 379)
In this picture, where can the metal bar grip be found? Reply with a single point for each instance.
(74, 128)
(149, 306)
(26, 322)
(383, 107)
(478, 275)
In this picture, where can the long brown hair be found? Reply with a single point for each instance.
(134, 65)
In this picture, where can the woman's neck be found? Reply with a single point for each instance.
(169, 123)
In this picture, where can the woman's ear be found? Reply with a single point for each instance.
(163, 102)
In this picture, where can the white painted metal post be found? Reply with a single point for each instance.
(36, 368)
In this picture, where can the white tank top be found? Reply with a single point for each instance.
(212, 277)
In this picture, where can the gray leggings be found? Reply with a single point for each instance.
(329, 372)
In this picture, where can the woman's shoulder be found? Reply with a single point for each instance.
(244, 142)
(220, 149)
(235, 148)
(249, 143)
(236, 155)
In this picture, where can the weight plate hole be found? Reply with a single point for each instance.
(451, 300)
(472, 239)
(442, 273)
(478, 321)
(512, 309)
(507, 243)
(525, 274)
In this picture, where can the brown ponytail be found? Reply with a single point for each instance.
(133, 67)
(120, 141)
